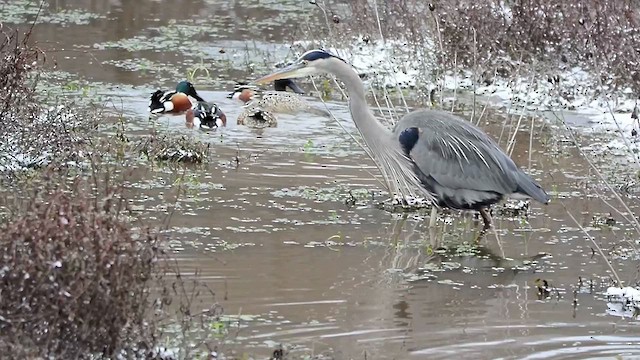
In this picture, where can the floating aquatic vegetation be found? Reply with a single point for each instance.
(198, 42)
(340, 193)
(180, 149)
(515, 208)
(173, 37)
(603, 220)
(143, 65)
(25, 11)
(410, 204)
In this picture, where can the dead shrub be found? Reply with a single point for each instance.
(75, 277)
(601, 36)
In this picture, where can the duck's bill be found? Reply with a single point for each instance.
(293, 86)
(292, 71)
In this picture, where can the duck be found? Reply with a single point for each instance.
(206, 116)
(277, 101)
(177, 101)
(257, 118)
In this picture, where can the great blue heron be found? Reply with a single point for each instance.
(449, 160)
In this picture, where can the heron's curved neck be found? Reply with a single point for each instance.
(397, 169)
(366, 123)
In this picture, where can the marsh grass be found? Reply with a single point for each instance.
(170, 148)
(32, 134)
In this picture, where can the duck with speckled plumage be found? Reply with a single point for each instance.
(255, 117)
(261, 106)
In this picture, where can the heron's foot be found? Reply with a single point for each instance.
(486, 218)
(481, 235)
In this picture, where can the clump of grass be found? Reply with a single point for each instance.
(180, 149)
(75, 276)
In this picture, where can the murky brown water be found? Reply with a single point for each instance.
(276, 241)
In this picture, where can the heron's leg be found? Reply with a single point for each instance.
(486, 217)
(433, 217)
(488, 225)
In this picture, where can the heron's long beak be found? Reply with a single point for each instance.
(292, 71)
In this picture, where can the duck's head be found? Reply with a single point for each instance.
(187, 87)
(244, 92)
(283, 84)
(207, 118)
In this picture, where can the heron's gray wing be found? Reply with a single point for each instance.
(458, 155)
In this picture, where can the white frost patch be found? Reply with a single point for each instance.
(13, 159)
(389, 64)
(623, 302)
(36, 144)
(577, 95)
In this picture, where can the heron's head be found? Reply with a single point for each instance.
(312, 62)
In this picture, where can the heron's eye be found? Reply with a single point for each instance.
(305, 62)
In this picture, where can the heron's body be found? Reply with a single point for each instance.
(449, 160)
(460, 164)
